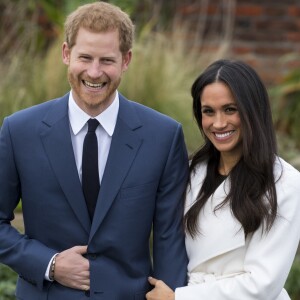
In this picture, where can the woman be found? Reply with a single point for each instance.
(243, 201)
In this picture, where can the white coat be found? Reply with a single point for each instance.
(223, 264)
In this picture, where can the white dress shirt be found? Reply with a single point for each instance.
(78, 129)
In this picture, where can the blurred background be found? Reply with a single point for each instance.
(175, 41)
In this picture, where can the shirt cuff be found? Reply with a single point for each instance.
(48, 268)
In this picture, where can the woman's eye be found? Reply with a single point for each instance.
(231, 109)
(207, 111)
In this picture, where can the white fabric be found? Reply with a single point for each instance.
(223, 265)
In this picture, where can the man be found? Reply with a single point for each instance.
(73, 249)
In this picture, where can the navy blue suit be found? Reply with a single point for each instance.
(142, 185)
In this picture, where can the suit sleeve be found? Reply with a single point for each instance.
(268, 258)
(169, 254)
(28, 257)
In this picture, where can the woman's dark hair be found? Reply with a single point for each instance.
(252, 195)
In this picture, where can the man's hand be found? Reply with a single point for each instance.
(72, 269)
(160, 292)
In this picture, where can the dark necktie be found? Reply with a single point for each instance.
(90, 174)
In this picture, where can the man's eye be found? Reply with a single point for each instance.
(84, 57)
(108, 60)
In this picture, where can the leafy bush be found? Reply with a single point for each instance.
(7, 283)
(293, 282)
(286, 106)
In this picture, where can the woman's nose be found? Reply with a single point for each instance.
(220, 121)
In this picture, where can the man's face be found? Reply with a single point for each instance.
(95, 67)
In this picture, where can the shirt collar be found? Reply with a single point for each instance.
(107, 119)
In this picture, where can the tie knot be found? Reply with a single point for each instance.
(92, 123)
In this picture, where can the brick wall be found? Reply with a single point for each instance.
(263, 33)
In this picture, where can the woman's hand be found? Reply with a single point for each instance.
(160, 292)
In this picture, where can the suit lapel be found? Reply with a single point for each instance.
(124, 147)
(55, 135)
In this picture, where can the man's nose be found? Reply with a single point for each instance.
(94, 70)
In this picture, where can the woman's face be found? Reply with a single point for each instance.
(221, 120)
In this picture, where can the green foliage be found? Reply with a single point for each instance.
(127, 5)
(7, 283)
(293, 282)
(288, 149)
(70, 6)
(19, 208)
(286, 106)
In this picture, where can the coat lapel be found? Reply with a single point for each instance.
(220, 231)
(55, 135)
(124, 147)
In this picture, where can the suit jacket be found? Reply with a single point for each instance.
(223, 265)
(142, 186)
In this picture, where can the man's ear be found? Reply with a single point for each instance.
(126, 60)
(66, 52)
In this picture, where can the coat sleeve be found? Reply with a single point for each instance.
(28, 257)
(169, 254)
(268, 257)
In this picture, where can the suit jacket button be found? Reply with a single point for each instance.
(92, 256)
(87, 293)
